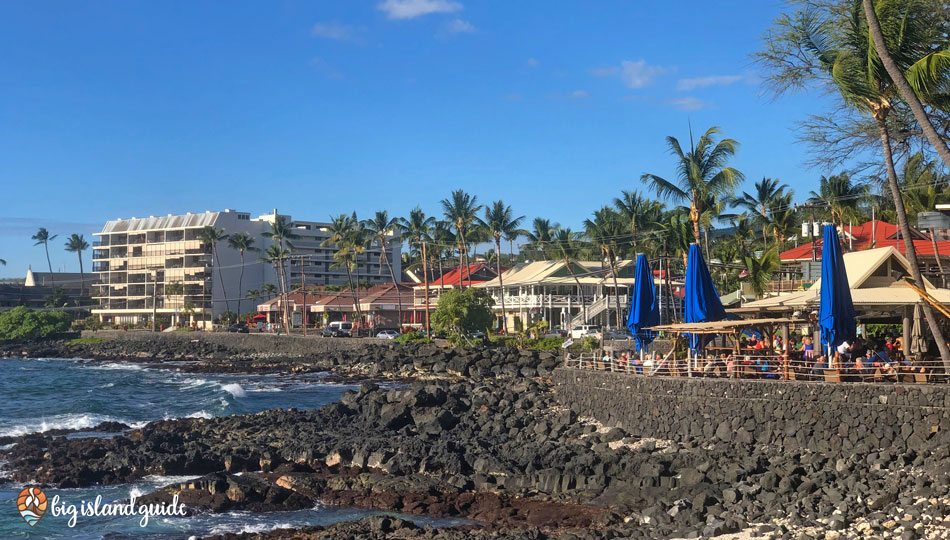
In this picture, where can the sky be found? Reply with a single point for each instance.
(115, 109)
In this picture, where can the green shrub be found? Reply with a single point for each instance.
(462, 312)
(504, 341)
(412, 337)
(26, 324)
(545, 344)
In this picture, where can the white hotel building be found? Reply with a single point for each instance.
(135, 259)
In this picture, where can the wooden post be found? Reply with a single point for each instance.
(785, 349)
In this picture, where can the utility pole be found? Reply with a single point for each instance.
(303, 289)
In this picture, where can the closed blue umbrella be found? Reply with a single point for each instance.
(702, 300)
(644, 311)
(836, 316)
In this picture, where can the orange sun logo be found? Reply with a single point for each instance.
(32, 505)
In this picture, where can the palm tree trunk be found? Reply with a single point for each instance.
(461, 262)
(52, 278)
(392, 275)
(909, 248)
(580, 291)
(613, 270)
(82, 277)
(501, 285)
(907, 93)
(356, 301)
(425, 276)
(227, 301)
(933, 240)
(241, 283)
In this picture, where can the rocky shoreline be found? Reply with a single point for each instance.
(480, 434)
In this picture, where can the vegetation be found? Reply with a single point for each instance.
(412, 337)
(242, 242)
(42, 237)
(22, 323)
(463, 311)
(77, 244)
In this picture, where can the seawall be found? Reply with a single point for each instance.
(836, 419)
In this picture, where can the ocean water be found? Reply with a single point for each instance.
(41, 394)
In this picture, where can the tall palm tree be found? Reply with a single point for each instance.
(603, 231)
(923, 185)
(566, 243)
(43, 236)
(77, 244)
(841, 195)
(282, 232)
(500, 220)
(540, 235)
(766, 192)
(510, 237)
(846, 52)
(275, 255)
(417, 228)
(242, 242)
(349, 238)
(926, 76)
(782, 219)
(443, 239)
(380, 228)
(210, 236)
(461, 210)
(701, 174)
(640, 213)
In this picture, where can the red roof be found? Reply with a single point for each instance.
(453, 277)
(873, 234)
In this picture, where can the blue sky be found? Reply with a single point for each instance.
(132, 108)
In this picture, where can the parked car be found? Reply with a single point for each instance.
(555, 332)
(388, 334)
(337, 329)
(585, 330)
(619, 335)
(239, 327)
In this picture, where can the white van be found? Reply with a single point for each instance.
(337, 329)
(585, 330)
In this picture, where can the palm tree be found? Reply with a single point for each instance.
(925, 76)
(922, 184)
(742, 229)
(510, 237)
(603, 231)
(702, 174)
(539, 237)
(210, 236)
(443, 238)
(379, 228)
(782, 219)
(43, 236)
(461, 210)
(242, 242)
(275, 255)
(841, 195)
(766, 192)
(760, 270)
(282, 232)
(639, 213)
(418, 229)
(349, 238)
(846, 52)
(499, 220)
(566, 243)
(77, 244)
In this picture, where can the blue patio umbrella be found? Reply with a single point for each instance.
(644, 310)
(836, 315)
(702, 300)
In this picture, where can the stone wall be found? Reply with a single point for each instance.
(837, 419)
(293, 345)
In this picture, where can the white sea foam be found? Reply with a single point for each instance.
(58, 421)
(249, 529)
(234, 389)
(201, 414)
(114, 366)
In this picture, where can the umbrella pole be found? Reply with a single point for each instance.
(785, 349)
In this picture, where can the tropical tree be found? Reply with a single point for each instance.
(43, 237)
(282, 233)
(539, 237)
(640, 214)
(923, 185)
(210, 236)
(349, 238)
(444, 240)
(567, 244)
(499, 221)
(760, 269)
(782, 219)
(841, 196)
(77, 244)
(381, 227)
(603, 231)
(461, 210)
(701, 174)
(842, 53)
(759, 202)
(417, 228)
(275, 255)
(242, 242)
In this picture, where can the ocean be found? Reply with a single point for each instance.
(42, 394)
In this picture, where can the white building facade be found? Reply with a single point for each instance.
(159, 267)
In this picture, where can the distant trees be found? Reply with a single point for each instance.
(77, 244)
(43, 237)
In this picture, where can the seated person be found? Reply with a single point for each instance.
(819, 367)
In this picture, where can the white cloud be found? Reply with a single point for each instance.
(410, 9)
(579, 94)
(458, 26)
(687, 103)
(712, 80)
(633, 73)
(334, 30)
